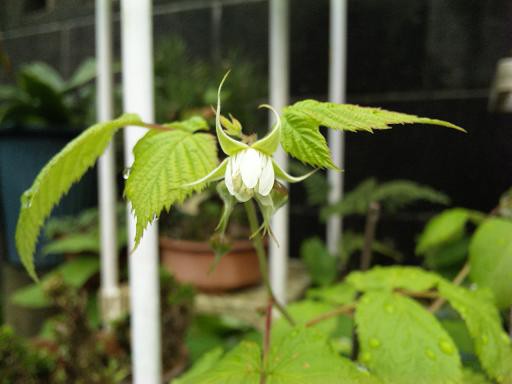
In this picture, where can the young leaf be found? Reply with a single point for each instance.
(490, 259)
(302, 139)
(443, 228)
(389, 278)
(55, 179)
(164, 162)
(483, 321)
(401, 342)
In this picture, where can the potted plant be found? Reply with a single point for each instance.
(187, 251)
(38, 116)
(302, 345)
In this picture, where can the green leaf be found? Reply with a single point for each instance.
(443, 228)
(490, 259)
(389, 278)
(397, 194)
(401, 342)
(354, 202)
(354, 242)
(204, 364)
(194, 124)
(482, 318)
(83, 74)
(471, 377)
(304, 311)
(451, 255)
(338, 294)
(42, 73)
(392, 195)
(303, 357)
(74, 243)
(164, 163)
(55, 179)
(321, 265)
(74, 273)
(302, 139)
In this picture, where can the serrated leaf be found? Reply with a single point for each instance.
(482, 318)
(490, 259)
(391, 195)
(194, 124)
(164, 163)
(301, 137)
(396, 194)
(303, 357)
(401, 342)
(443, 228)
(389, 278)
(55, 179)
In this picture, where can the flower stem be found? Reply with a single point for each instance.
(260, 250)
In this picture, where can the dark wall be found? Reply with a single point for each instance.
(429, 57)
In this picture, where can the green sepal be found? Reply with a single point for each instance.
(269, 205)
(268, 145)
(215, 175)
(283, 175)
(229, 145)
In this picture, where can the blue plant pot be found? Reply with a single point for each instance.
(22, 155)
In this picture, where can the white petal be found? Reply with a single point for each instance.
(250, 167)
(267, 178)
(228, 179)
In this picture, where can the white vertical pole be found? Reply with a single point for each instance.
(337, 70)
(110, 300)
(279, 99)
(137, 59)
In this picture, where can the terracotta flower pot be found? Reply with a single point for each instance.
(191, 261)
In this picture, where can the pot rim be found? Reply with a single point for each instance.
(201, 246)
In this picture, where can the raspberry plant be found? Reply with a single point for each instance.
(398, 339)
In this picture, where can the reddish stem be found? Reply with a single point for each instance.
(266, 338)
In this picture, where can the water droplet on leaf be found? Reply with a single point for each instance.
(374, 343)
(126, 172)
(446, 347)
(366, 357)
(389, 308)
(26, 199)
